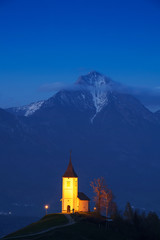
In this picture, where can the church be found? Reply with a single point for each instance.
(72, 200)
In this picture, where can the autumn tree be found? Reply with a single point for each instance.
(103, 195)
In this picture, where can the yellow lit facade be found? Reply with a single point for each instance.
(72, 200)
(69, 194)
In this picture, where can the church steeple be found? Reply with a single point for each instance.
(72, 200)
(70, 170)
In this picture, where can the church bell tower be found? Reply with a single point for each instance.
(69, 189)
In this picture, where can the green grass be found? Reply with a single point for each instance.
(46, 222)
(90, 226)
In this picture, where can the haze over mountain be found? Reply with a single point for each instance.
(111, 133)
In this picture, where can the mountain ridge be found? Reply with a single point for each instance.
(120, 143)
(97, 85)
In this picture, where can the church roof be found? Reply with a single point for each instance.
(83, 196)
(70, 170)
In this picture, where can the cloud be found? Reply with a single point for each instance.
(54, 87)
(22, 204)
(150, 97)
(158, 88)
(57, 86)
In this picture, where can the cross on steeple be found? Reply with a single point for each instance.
(70, 154)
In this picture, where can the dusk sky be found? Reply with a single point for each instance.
(45, 42)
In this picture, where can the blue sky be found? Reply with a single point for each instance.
(42, 42)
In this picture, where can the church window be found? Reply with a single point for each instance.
(68, 183)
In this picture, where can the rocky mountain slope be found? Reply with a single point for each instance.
(26, 110)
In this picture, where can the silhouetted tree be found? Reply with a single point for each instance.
(128, 212)
(113, 210)
(137, 219)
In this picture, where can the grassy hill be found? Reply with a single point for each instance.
(90, 226)
(49, 221)
(87, 226)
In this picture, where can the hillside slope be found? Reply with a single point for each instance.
(92, 226)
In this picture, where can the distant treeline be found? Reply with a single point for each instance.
(133, 224)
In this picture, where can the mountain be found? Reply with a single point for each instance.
(157, 114)
(111, 133)
(19, 148)
(26, 110)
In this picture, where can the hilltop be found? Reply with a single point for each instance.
(91, 226)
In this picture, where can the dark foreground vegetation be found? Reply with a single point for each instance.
(139, 227)
(128, 226)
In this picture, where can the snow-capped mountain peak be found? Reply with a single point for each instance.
(93, 79)
(99, 87)
(91, 91)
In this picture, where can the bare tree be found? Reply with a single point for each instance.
(107, 200)
(103, 195)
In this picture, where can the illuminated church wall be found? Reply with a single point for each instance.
(69, 193)
(71, 198)
(83, 205)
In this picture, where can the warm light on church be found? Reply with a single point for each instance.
(72, 200)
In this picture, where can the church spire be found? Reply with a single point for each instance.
(70, 155)
(70, 170)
